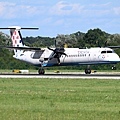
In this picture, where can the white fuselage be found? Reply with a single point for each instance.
(75, 56)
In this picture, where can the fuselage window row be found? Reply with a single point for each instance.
(81, 55)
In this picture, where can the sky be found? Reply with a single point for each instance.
(54, 17)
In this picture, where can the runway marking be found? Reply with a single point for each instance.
(63, 76)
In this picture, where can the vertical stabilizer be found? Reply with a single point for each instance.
(16, 38)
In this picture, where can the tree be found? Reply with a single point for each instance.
(95, 37)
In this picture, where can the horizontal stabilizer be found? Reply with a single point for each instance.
(23, 48)
(19, 28)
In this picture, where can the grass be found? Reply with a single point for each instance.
(56, 99)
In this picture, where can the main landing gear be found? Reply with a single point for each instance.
(88, 70)
(41, 71)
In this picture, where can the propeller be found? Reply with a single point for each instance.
(57, 52)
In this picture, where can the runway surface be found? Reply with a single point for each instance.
(65, 75)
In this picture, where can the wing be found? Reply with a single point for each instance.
(113, 47)
(22, 48)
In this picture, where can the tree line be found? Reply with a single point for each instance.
(93, 38)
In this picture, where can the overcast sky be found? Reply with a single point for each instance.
(60, 16)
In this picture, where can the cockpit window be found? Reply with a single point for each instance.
(103, 52)
(108, 51)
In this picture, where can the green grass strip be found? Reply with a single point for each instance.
(59, 99)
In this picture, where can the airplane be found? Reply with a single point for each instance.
(48, 57)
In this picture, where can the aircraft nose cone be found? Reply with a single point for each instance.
(114, 58)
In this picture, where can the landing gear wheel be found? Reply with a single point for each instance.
(87, 71)
(113, 67)
(41, 71)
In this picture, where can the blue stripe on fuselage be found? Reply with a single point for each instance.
(80, 63)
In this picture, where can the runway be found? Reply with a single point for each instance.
(65, 75)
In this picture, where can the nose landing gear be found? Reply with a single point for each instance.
(113, 67)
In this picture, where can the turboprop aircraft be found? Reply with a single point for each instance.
(47, 57)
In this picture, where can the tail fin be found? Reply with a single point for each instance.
(16, 37)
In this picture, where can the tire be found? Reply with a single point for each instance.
(87, 71)
(41, 71)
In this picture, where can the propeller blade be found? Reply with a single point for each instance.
(62, 53)
(55, 43)
(58, 59)
(52, 56)
(50, 48)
